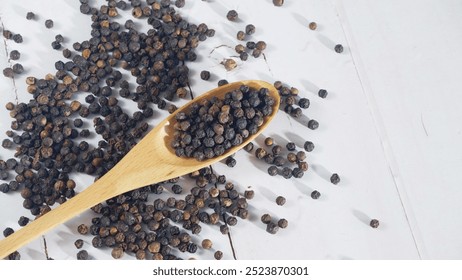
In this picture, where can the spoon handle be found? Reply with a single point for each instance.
(57, 216)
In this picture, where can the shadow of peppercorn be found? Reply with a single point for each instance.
(322, 172)
(309, 86)
(328, 43)
(297, 139)
(301, 19)
(361, 216)
(35, 254)
(303, 188)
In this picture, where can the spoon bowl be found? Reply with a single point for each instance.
(152, 160)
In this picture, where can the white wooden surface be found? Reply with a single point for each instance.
(389, 126)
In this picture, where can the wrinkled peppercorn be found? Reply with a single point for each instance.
(232, 15)
(272, 170)
(205, 75)
(49, 23)
(308, 146)
(280, 200)
(265, 218)
(78, 243)
(313, 124)
(283, 223)
(30, 15)
(218, 255)
(315, 194)
(374, 223)
(15, 55)
(272, 228)
(322, 93)
(82, 255)
(335, 179)
(250, 29)
(338, 48)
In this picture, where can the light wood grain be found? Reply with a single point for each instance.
(152, 160)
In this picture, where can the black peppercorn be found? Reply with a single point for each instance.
(283, 223)
(280, 200)
(304, 103)
(315, 194)
(266, 218)
(335, 179)
(218, 255)
(272, 228)
(49, 23)
(249, 194)
(30, 15)
(8, 231)
(308, 146)
(313, 124)
(240, 35)
(230, 161)
(78, 243)
(322, 93)
(17, 68)
(232, 15)
(374, 223)
(338, 48)
(23, 221)
(82, 255)
(15, 55)
(290, 146)
(287, 172)
(272, 170)
(205, 75)
(17, 38)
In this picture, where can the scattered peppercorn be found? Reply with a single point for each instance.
(205, 75)
(278, 3)
(322, 93)
(283, 223)
(374, 223)
(232, 15)
(290, 146)
(8, 231)
(229, 64)
(266, 218)
(82, 255)
(78, 243)
(335, 179)
(17, 38)
(49, 23)
(30, 16)
(206, 244)
(23, 221)
(313, 124)
(272, 228)
(313, 25)
(250, 29)
(338, 48)
(315, 194)
(308, 146)
(280, 200)
(218, 255)
(15, 55)
(249, 194)
(273, 170)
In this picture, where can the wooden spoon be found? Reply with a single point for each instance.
(152, 160)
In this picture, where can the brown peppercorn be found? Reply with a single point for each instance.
(260, 153)
(249, 194)
(313, 25)
(78, 243)
(261, 45)
(291, 157)
(283, 223)
(218, 255)
(232, 15)
(229, 64)
(278, 3)
(266, 218)
(269, 141)
(82, 229)
(117, 253)
(206, 244)
(280, 200)
(240, 35)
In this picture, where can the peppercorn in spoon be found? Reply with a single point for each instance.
(161, 155)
